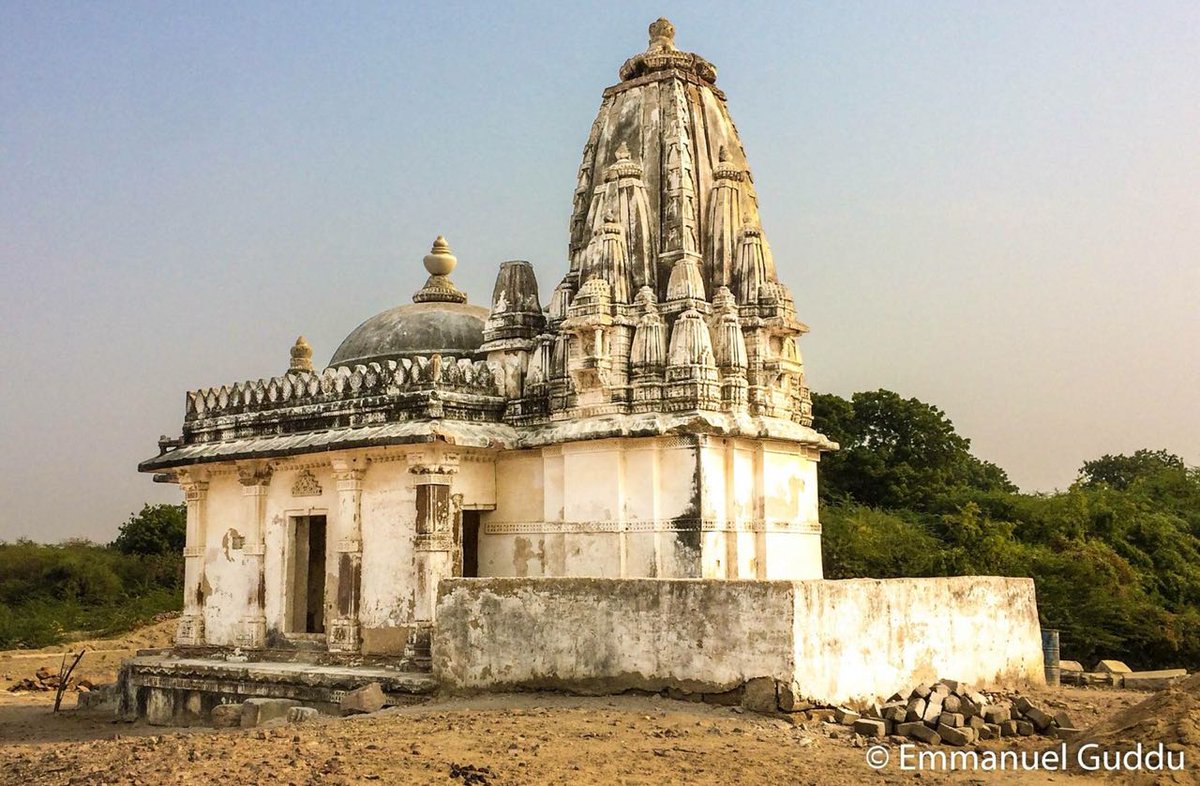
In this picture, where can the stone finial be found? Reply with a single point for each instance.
(301, 356)
(440, 262)
(662, 35)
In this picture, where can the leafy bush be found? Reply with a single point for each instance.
(48, 592)
(1116, 558)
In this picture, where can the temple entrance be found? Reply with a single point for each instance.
(467, 535)
(306, 575)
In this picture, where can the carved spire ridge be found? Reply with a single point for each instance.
(440, 262)
(623, 165)
(725, 168)
(301, 355)
(751, 272)
(610, 258)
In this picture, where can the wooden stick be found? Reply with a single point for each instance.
(63, 679)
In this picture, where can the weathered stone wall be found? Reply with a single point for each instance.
(834, 641)
(609, 635)
(655, 507)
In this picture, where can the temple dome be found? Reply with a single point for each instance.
(439, 321)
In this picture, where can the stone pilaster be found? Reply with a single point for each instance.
(433, 473)
(343, 633)
(255, 480)
(191, 624)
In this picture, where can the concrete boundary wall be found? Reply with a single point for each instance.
(825, 641)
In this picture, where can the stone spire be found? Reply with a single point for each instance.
(301, 356)
(516, 317)
(440, 263)
(671, 302)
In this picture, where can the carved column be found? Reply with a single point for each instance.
(343, 628)
(432, 476)
(191, 625)
(255, 479)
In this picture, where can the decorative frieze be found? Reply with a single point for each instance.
(306, 485)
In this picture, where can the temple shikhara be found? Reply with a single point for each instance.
(456, 464)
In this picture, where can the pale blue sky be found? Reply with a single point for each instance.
(994, 207)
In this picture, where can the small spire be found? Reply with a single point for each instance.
(440, 262)
(301, 356)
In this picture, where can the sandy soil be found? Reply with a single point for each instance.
(491, 740)
(99, 665)
(508, 739)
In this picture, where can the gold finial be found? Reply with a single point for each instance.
(301, 356)
(662, 35)
(440, 262)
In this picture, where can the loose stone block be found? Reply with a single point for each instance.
(1038, 718)
(1063, 720)
(897, 713)
(870, 727)
(955, 736)
(225, 716)
(1070, 666)
(915, 710)
(919, 731)
(951, 704)
(368, 698)
(920, 692)
(823, 714)
(1008, 728)
(933, 709)
(758, 696)
(950, 685)
(1066, 733)
(256, 712)
(1152, 680)
(995, 713)
(845, 716)
(1111, 667)
(1022, 705)
(302, 714)
(989, 731)
(976, 722)
(953, 719)
(1025, 728)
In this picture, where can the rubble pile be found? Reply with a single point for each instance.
(947, 712)
(45, 680)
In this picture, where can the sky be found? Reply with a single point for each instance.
(991, 206)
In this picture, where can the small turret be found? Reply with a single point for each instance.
(301, 355)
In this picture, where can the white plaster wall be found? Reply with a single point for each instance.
(837, 641)
(389, 516)
(866, 638)
(229, 584)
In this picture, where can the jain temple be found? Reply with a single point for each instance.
(614, 489)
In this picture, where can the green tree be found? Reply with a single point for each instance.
(1121, 472)
(156, 530)
(897, 453)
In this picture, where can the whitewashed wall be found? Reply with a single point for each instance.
(834, 641)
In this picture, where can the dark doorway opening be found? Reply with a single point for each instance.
(306, 585)
(469, 543)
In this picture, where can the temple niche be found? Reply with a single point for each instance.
(650, 420)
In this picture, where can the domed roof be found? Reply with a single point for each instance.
(438, 322)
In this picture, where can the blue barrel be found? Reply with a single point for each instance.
(1050, 655)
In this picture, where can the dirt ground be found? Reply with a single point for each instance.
(496, 740)
(99, 665)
